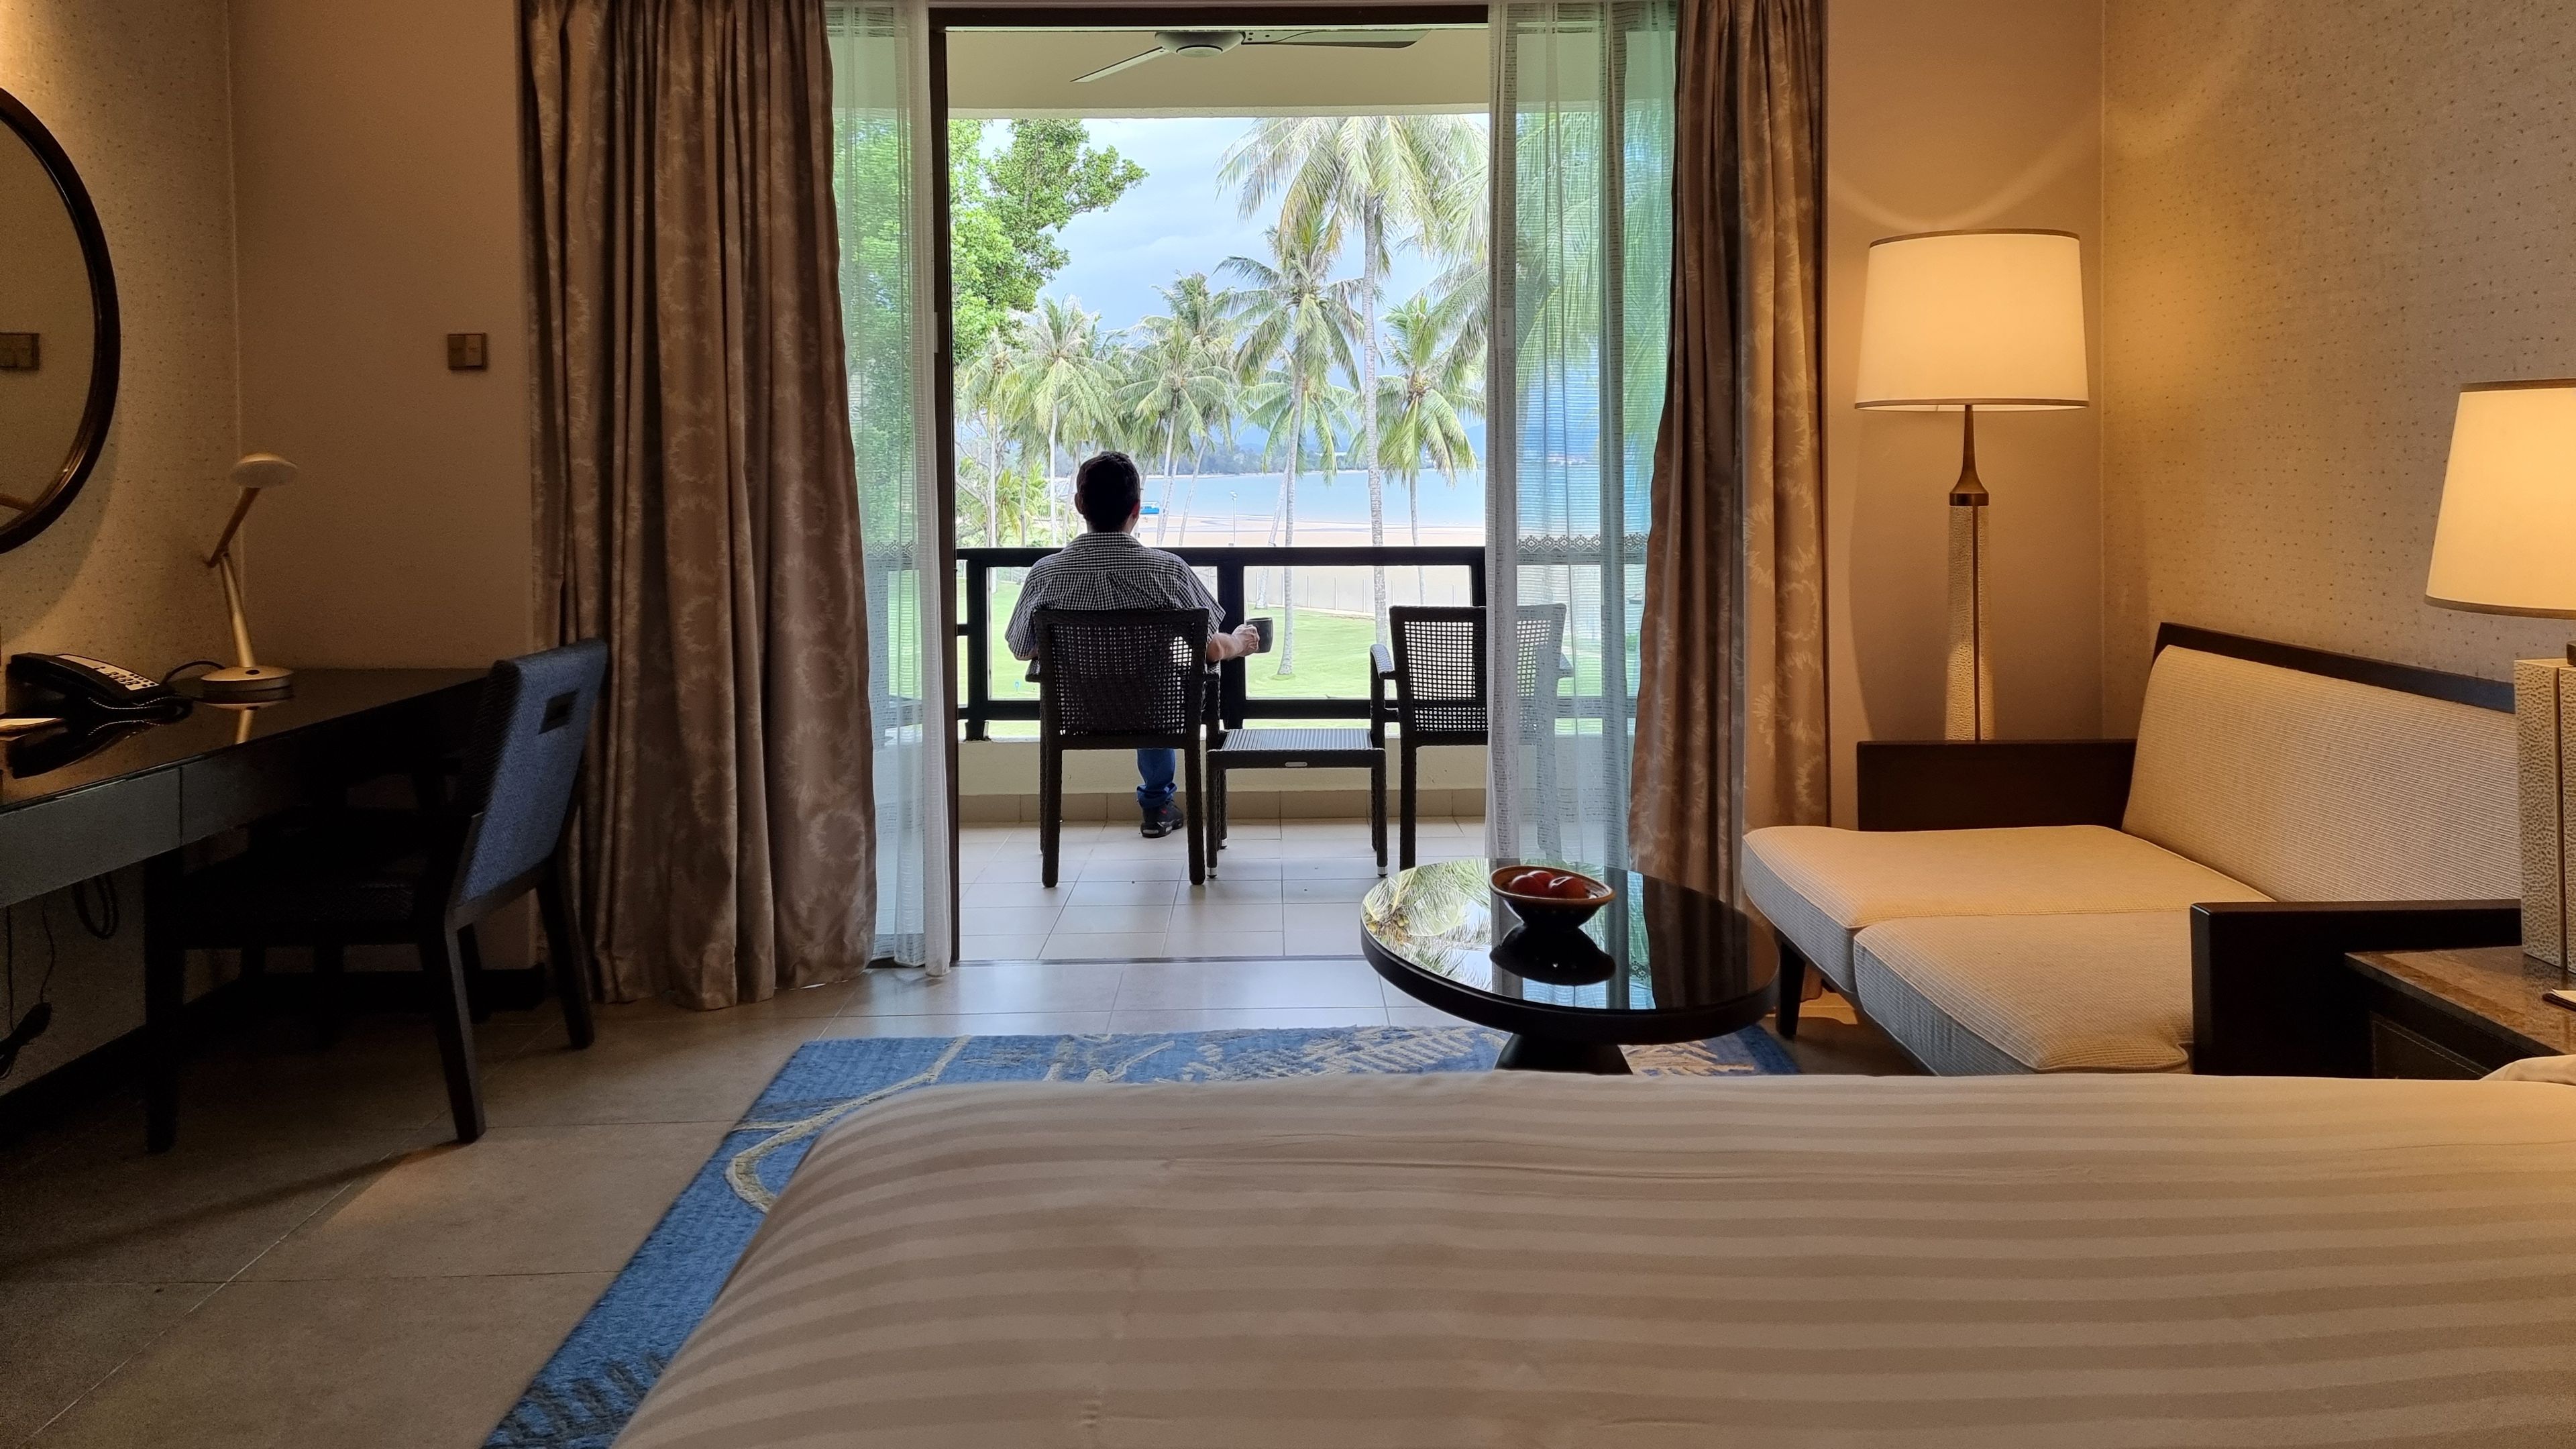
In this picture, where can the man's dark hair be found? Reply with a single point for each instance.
(1107, 489)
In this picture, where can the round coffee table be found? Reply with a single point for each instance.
(1662, 963)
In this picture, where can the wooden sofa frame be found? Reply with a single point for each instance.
(2269, 992)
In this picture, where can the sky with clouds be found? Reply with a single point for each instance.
(1177, 220)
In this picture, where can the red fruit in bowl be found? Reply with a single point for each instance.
(1530, 880)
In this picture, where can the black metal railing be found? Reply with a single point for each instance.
(977, 625)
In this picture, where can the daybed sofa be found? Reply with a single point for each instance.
(2175, 903)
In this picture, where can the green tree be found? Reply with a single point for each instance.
(1373, 177)
(1007, 211)
(1184, 381)
(1298, 324)
(1429, 390)
(1068, 376)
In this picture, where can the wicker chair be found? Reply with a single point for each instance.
(1436, 675)
(1119, 679)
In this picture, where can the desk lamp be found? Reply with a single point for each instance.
(1970, 320)
(247, 680)
(2502, 545)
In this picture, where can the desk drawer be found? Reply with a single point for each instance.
(67, 839)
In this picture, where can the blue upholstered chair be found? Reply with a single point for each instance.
(425, 877)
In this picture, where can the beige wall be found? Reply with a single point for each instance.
(2324, 219)
(136, 91)
(377, 152)
(1969, 113)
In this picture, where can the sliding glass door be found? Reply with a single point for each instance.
(1582, 275)
(881, 147)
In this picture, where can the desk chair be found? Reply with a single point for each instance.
(418, 877)
(1435, 675)
(1119, 679)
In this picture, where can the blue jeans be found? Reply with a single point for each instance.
(1155, 768)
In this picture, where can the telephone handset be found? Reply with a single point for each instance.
(93, 691)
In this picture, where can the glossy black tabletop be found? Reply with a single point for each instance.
(1661, 962)
(322, 697)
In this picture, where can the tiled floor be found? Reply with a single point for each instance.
(316, 1265)
(1282, 888)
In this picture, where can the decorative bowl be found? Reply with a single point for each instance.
(1550, 897)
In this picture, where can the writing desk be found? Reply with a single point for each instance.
(145, 797)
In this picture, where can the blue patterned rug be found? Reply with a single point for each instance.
(586, 1392)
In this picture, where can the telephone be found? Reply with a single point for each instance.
(92, 692)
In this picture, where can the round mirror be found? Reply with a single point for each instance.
(57, 328)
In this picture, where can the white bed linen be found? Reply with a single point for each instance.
(1525, 1259)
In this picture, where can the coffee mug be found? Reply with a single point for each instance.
(1261, 626)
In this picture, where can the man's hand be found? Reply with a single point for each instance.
(1244, 640)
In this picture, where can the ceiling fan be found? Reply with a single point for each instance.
(1218, 42)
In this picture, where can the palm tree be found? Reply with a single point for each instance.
(1371, 175)
(1298, 323)
(988, 391)
(1431, 389)
(1176, 390)
(1197, 325)
(1067, 376)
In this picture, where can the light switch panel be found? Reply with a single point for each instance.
(466, 351)
(18, 352)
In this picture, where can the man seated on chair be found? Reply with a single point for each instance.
(1106, 568)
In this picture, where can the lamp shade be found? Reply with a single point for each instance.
(2506, 542)
(1994, 318)
(260, 470)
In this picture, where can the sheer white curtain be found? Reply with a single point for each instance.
(1582, 264)
(881, 176)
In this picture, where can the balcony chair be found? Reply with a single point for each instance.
(1431, 686)
(1120, 679)
(424, 877)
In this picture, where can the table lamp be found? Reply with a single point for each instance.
(2503, 545)
(247, 680)
(1970, 320)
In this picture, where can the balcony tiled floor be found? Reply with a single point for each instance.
(1283, 888)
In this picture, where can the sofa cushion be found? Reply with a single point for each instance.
(1819, 885)
(2318, 789)
(2077, 993)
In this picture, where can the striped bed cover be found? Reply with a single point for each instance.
(1512, 1259)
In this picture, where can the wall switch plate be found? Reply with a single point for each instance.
(467, 351)
(18, 352)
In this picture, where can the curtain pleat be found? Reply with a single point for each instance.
(696, 494)
(1731, 697)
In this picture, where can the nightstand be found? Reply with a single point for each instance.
(2460, 1013)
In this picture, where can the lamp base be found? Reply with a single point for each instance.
(245, 682)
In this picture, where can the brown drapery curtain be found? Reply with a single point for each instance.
(1731, 690)
(696, 500)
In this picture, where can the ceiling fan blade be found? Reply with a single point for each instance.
(1348, 39)
(1109, 70)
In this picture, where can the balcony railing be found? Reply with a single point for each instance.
(977, 626)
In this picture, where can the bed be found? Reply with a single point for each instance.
(1516, 1259)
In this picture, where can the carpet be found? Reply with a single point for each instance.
(584, 1395)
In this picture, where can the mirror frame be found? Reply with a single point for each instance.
(91, 436)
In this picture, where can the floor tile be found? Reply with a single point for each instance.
(991, 1023)
(1225, 916)
(990, 919)
(1356, 867)
(1018, 895)
(1319, 916)
(1174, 868)
(521, 1200)
(1114, 947)
(1243, 865)
(703, 1070)
(1233, 887)
(433, 1361)
(796, 1003)
(1109, 920)
(1341, 940)
(1345, 890)
(1018, 946)
(1202, 942)
(1029, 870)
(1242, 1018)
(1188, 985)
(1014, 986)
(105, 1211)
(59, 1339)
(1126, 893)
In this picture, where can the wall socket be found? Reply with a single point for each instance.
(468, 351)
(18, 352)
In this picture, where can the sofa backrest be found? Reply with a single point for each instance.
(2312, 788)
